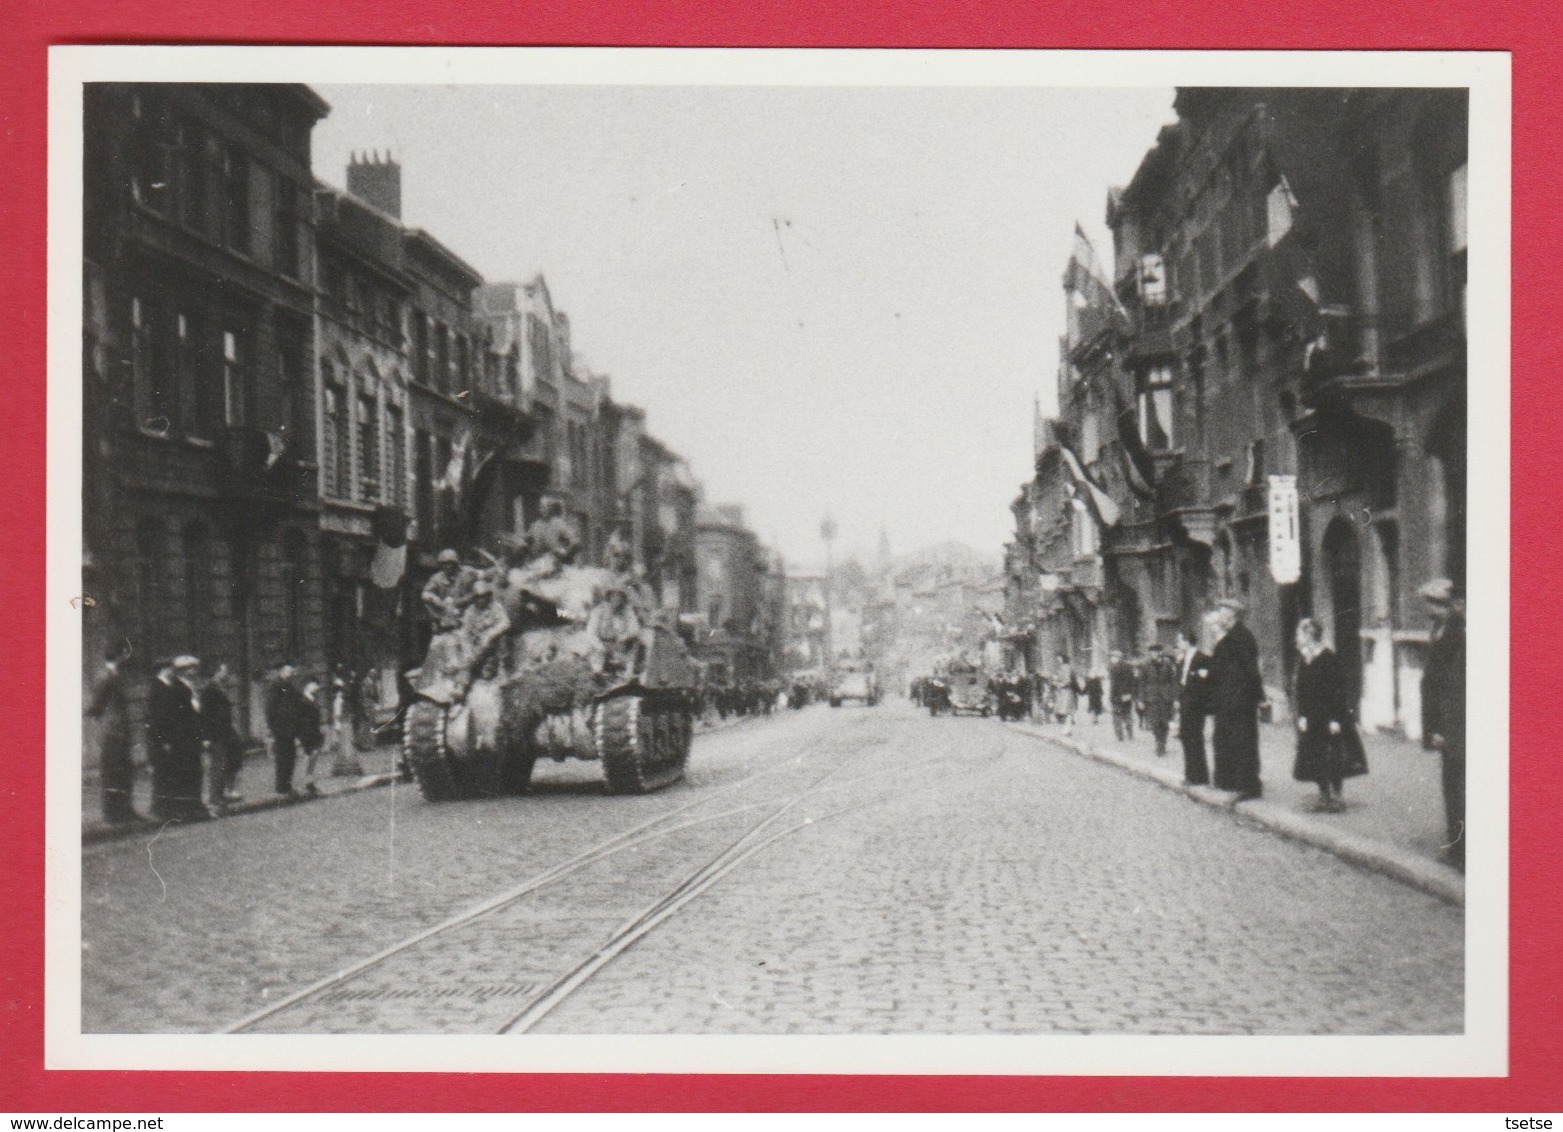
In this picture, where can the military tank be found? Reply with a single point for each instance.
(551, 687)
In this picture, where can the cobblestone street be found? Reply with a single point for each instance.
(945, 876)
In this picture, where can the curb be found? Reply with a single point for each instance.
(1438, 880)
(97, 834)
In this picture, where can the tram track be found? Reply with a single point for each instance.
(733, 852)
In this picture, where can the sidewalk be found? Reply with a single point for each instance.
(256, 785)
(1393, 823)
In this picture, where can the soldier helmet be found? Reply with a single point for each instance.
(450, 556)
(482, 587)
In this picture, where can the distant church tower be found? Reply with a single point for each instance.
(884, 548)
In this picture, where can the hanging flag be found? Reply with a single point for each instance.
(454, 478)
(1101, 503)
(1087, 281)
(1138, 467)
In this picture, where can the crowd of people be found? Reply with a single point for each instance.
(193, 746)
(1209, 686)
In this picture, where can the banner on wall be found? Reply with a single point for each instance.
(1285, 531)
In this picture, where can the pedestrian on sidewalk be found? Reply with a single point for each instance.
(109, 705)
(1159, 694)
(1066, 705)
(1236, 691)
(1443, 705)
(283, 720)
(174, 741)
(344, 733)
(311, 730)
(1329, 751)
(222, 740)
(1193, 705)
(1091, 688)
(1123, 689)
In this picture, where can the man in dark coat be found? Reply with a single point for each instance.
(1443, 705)
(109, 705)
(222, 738)
(1236, 691)
(1159, 694)
(1193, 707)
(1123, 687)
(284, 720)
(174, 738)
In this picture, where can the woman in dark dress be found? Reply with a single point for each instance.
(1328, 749)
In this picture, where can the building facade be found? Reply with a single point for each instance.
(1285, 300)
(201, 515)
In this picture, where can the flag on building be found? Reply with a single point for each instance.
(1138, 467)
(1101, 504)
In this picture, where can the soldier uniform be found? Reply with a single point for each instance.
(448, 592)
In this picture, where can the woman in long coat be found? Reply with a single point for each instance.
(1328, 748)
(1066, 701)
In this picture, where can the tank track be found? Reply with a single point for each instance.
(423, 743)
(643, 742)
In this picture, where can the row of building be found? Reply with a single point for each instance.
(1263, 395)
(293, 400)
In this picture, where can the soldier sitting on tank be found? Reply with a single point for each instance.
(448, 592)
(615, 629)
(483, 624)
(553, 534)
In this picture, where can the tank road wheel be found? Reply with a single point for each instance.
(636, 747)
(423, 741)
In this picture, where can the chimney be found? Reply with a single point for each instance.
(377, 181)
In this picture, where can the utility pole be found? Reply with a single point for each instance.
(827, 532)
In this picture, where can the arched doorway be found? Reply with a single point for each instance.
(1343, 569)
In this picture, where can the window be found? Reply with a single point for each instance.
(153, 144)
(463, 376)
(368, 448)
(296, 419)
(420, 347)
(199, 391)
(396, 450)
(286, 198)
(440, 364)
(233, 384)
(193, 177)
(236, 203)
(334, 442)
(1158, 429)
(153, 394)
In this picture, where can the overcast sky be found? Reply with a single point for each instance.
(832, 300)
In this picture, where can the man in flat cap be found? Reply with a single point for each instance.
(1235, 692)
(1443, 705)
(174, 734)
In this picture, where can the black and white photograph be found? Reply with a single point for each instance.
(789, 560)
